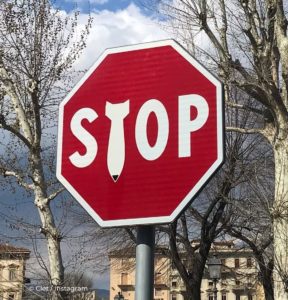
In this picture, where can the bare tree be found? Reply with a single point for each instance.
(38, 46)
(249, 218)
(204, 220)
(262, 252)
(246, 43)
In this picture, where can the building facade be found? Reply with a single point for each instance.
(238, 275)
(12, 270)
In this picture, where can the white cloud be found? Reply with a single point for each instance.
(111, 29)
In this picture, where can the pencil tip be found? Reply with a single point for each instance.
(115, 177)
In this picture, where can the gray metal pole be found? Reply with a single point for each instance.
(215, 289)
(145, 263)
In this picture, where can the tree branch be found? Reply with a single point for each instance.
(18, 177)
(9, 88)
(131, 235)
(15, 132)
(245, 107)
(55, 194)
(245, 130)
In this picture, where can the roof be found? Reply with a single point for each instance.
(216, 243)
(6, 248)
(131, 251)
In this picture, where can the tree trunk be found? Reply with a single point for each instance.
(280, 218)
(193, 291)
(193, 287)
(268, 288)
(48, 228)
(266, 272)
(53, 244)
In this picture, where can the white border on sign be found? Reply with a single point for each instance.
(204, 179)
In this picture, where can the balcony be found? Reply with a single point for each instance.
(125, 283)
(126, 286)
(160, 284)
(243, 288)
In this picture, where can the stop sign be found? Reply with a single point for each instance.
(140, 134)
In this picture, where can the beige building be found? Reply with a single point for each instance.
(238, 276)
(12, 270)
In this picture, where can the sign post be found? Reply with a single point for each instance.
(138, 137)
(144, 288)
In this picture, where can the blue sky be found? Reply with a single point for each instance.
(94, 5)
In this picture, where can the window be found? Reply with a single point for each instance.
(124, 278)
(123, 262)
(158, 278)
(210, 297)
(174, 297)
(249, 262)
(237, 263)
(238, 297)
(12, 273)
(223, 282)
(224, 269)
(210, 283)
(250, 297)
(1, 274)
(223, 297)
(250, 280)
(158, 292)
(174, 284)
(237, 282)
(11, 296)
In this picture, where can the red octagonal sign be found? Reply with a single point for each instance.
(140, 134)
